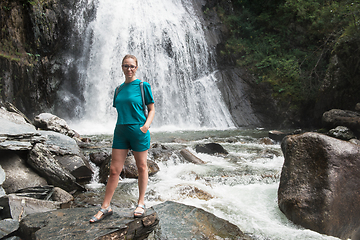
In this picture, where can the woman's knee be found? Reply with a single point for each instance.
(142, 168)
(114, 171)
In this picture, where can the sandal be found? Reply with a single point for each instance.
(105, 212)
(138, 214)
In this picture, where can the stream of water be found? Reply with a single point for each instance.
(240, 187)
(174, 57)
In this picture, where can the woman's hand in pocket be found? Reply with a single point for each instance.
(144, 128)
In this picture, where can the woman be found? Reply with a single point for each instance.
(131, 132)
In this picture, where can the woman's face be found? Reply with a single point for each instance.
(129, 67)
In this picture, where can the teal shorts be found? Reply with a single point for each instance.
(129, 136)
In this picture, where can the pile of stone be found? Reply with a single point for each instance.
(40, 165)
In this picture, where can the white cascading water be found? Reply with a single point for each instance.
(169, 42)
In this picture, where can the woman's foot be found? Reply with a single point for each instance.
(139, 211)
(103, 212)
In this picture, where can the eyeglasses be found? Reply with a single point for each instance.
(129, 66)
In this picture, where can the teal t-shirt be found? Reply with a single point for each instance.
(128, 102)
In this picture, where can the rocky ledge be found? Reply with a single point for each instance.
(169, 220)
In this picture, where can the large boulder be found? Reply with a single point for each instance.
(48, 121)
(74, 224)
(179, 221)
(43, 161)
(68, 154)
(320, 182)
(18, 174)
(338, 117)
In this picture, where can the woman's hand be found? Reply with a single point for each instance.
(144, 128)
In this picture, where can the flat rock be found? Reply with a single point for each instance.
(64, 224)
(180, 221)
(8, 226)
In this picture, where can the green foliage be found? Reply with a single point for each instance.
(289, 43)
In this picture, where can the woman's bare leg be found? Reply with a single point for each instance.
(117, 163)
(141, 163)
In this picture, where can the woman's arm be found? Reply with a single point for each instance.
(150, 118)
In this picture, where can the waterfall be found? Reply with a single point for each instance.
(169, 41)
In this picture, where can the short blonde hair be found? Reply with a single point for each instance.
(130, 56)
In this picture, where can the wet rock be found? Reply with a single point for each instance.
(277, 135)
(48, 193)
(67, 153)
(2, 179)
(41, 159)
(192, 223)
(210, 148)
(319, 184)
(12, 116)
(18, 136)
(98, 157)
(194, 192)
(342, 133)
(355, 141)
(18, 173)
(191, 157)
(266, 141)
(74, 224)
(48, 121)
(17, 207)
(7, 227)
(338, 117)
(357, 107)
(160, 152)
(129, 170)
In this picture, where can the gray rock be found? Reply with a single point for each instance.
(355, 141)
(41, 159)
(60, 144)
(2, 174)
(319, 183)
(191, 157)
(18, 174)
(12, 116)
(8, 226)
(62, 196)
(342, 133)
(210, 148)
(98, 157)
(357, 107)
(17, 207)
(48, 121)
(179, 221)
(338, 117)
(277, 135)
(18, 136)
(129, 170)
(67, 153)
(64, 224)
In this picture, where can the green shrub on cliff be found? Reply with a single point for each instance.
(289, 43)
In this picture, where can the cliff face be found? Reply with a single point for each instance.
(34, 42)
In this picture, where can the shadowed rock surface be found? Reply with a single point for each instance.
(319, 184)
(179, 221)
(74, 224)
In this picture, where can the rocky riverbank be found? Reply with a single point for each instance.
(43, 166)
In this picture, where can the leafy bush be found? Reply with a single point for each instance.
(289, 43)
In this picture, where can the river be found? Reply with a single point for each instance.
(240, 187)
(171, 43)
